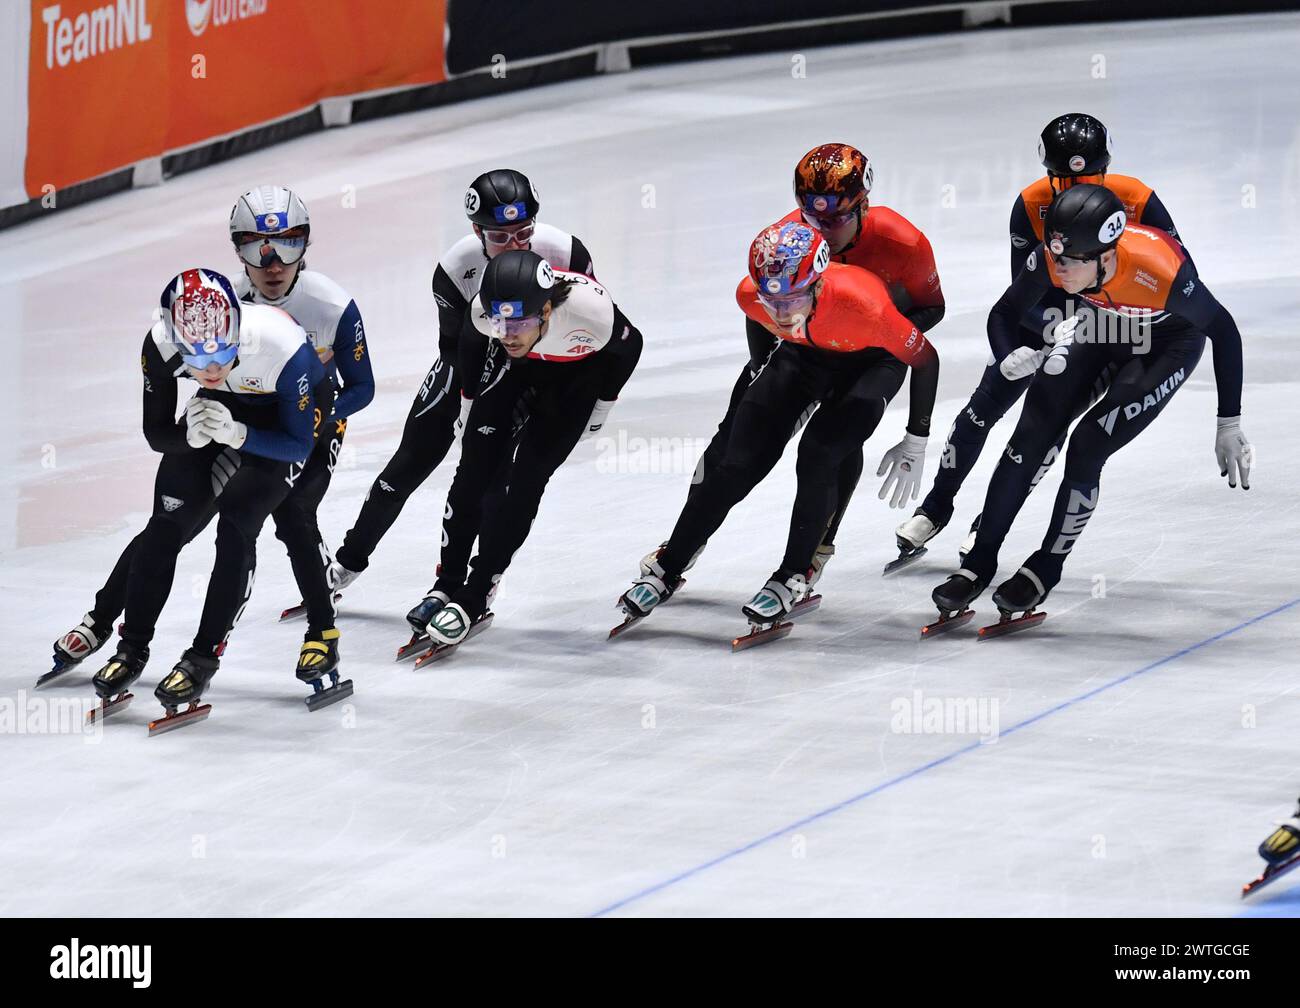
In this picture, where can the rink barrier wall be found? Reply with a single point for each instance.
(531, 47)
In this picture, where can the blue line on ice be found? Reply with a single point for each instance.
(916, 772)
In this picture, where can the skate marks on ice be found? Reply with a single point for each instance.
(899, 779)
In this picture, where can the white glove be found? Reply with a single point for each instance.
(221, 426)
(1063, 331)
(1021, 363)
(195, 433)
(597, 419)
(905, 462)
(459, 427)
(1234, 452)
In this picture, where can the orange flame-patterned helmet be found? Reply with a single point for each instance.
(832, 179)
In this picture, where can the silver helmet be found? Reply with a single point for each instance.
(268, 210)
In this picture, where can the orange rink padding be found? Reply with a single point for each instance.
(112, 82)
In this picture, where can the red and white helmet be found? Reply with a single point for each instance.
(201, 313)
(787, 259)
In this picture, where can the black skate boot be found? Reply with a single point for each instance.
(423, 611)
(1283, 843)
(1280, 851)
(418, 619)
(953, 599)
(184, 684)
(114, 680)
(76, 646)
(317, 661)
(1021, 593)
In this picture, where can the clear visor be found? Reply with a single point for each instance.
(783, 307)
(263, 250)
(521, 233)
(829, 222)
(1070, 262)
(200, 362)
(502, 327)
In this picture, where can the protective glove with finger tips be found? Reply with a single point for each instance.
(1235, 454)
(221, 426)
(902, 468)
(1021, 363)
(196, 435)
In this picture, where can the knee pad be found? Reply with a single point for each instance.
(984, 410)
(297, 534)
(817, 462)
(232, 531)
(1086, 456)
(163, 533)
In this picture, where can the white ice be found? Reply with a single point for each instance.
(1146, 733)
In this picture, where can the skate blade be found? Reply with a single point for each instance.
(626, 625)
(326, 695)
(759, 635)
(107, 707)
(1007, 625)
(944, 624)
(803, 607)
(417, 643)
(172, 721)
(60, 668)
(439, 651)
(1270, 874)
(294, 612)
(894, 566)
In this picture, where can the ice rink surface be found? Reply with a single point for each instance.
(1129, 754)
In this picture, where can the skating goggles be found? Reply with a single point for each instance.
(502, 326)
(222, 357)
(1069, 262)
(521, 233)
(786, 304)
(828, 222)
(262, 250)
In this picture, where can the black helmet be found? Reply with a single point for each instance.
(1083, 222)
(499, 197)
(1075, 144)
(516, 284)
